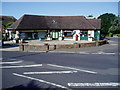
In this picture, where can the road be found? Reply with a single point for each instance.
(92, 67)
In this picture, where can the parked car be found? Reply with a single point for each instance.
(102, 36)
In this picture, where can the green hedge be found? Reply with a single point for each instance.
(118, 35)
(110, 35)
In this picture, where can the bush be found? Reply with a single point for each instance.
(118, 35)
(110, 35)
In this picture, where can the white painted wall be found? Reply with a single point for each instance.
(10, 36)
(17, 35)
(99, 34)
(60, 35)
(99, 31)
(91, 32)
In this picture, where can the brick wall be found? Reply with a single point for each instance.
(33, 48)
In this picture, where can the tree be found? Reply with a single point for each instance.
(90, 16)
(4, 35)
(115, 27)
(106, 22)
(8, 24)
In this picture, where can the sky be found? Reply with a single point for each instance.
(18, 9)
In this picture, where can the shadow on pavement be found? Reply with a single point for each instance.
(9, 45)
(30, 86)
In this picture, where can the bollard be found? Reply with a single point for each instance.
(54, 47)
(21, 47)
(97, 44)
(46, 44)
(76, 45)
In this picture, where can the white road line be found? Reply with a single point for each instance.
(113, 44)
(100, 53)
(94, 84)
(104, 53)
(51, 72)
(11, 62)
(108, 53)
(83, 53)
(92, 72)
(111, 41)
(40, 80)
(23, 66)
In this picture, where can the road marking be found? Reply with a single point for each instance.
(100, 53)
(40, 80)
(94, 84)
(24, 66)
(111, 41)
(84, 53)
(11, 62)
(109, 53)
(103, 53)
(51, 72)
(113, 44)
(92, 72)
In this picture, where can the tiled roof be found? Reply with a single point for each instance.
(7, 19)
(95, 23)
(33, 22)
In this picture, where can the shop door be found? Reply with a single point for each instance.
(84, 35)
(96, 35)
(55, 35)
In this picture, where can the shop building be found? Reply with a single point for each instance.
(56, 28)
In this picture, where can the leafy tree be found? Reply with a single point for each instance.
(115, 27)
(90, 16)
(106, 22)
(5, 27)
(8, 24)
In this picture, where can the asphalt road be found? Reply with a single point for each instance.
(95, 67)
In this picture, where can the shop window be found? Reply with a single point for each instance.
(83, 33)
(68, 34)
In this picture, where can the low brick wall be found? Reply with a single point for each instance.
(33, 48)
(64, 46)
(52, 47)
(87, 44)
(101, 42)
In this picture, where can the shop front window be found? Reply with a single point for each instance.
(68, 35)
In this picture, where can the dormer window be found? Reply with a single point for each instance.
(54, 22)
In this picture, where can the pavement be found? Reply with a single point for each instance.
(11, 46)
(56, 42)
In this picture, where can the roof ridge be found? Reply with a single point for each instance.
(51, 16)
(19, 21)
